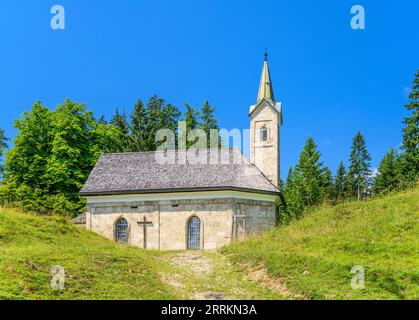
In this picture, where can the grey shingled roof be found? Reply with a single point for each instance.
(140, 172)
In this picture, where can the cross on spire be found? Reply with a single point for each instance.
(265, 88)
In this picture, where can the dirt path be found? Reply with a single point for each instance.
(209, 275)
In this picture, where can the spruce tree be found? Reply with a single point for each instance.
(153, 121)
(102, 120)
(359, 168)
(386, 179)
(410, 159)
(119, 120)
(327, 185)
(159, 115)
(137, 128)
(294, 204)
(147, 120)
(191, 117)
(208, 121)
(341, 182)
(314, 175)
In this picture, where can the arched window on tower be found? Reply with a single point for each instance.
(121, 230)
(264, 134)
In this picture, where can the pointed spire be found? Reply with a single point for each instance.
(265, 88)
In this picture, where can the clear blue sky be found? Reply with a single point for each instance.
(331, 79)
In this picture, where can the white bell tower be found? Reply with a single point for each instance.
(265, 121)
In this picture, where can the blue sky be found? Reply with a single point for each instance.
(332, 80)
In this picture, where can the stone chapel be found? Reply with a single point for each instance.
(133, 198)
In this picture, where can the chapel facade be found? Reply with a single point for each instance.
(138, 199)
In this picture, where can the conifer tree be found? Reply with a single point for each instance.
(308, 184)
(386, 179)
(410, 158)
(327, 185)
(147, 120)
(153, 121)
(313, 174)
(119, 120)
(341, 182)
(294, 204)
(137, 128)
(359, 169)
(102, 120)
(208, 121)
(3, 142)
(191, 117)
(158, 116)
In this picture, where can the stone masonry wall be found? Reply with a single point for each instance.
(222, 221)
(265, 154)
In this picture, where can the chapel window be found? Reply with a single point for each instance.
(194, 234)
(264, 134)
(121, 230)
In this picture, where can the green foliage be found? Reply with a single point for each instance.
(341, 183)
(147, 120)
(293, 197)
(387, 178)
(3, 146)
(313, 257)
(3, 142)
(410, 158)
(52, 156)
(309, 184)
(359, 174)
(314, 175)
(119, 120)
(208, 122)
(190, 117)
(55, 151)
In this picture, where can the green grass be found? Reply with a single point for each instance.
(310, 258)
(95, 268)
(314, 256)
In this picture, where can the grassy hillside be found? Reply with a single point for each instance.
(310, 258)
(313, 257)
(95, 267)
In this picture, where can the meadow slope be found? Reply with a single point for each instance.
(97, 268)
(313, 257)
(308, 259)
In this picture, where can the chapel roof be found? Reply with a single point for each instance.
(144, 172)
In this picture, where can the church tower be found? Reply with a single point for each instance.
(265, 121)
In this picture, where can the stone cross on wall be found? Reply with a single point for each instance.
(145, 224)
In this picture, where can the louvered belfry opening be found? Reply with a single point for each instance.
(194, 234)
